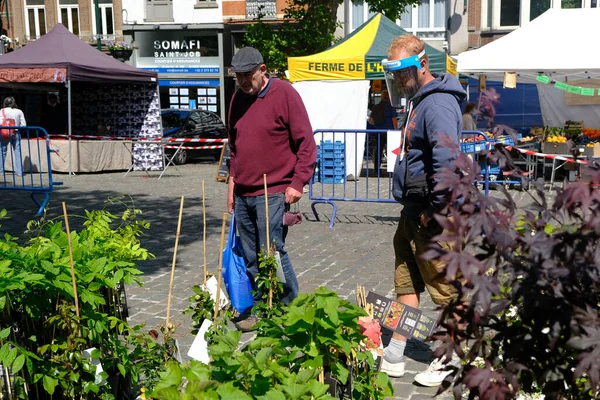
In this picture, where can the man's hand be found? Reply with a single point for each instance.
(292, 195)
(425, 219)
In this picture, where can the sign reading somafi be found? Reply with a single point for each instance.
(178, 51)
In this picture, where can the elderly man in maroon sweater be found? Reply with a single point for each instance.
(269, 133)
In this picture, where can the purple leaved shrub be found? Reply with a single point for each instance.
(531, 279)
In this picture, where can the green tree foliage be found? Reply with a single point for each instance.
(308, 27)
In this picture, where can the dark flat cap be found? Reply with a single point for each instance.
(246, 59)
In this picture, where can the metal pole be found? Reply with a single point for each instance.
(98, 25)
(69, 125)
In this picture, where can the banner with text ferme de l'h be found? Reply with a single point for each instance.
(347, 60)
(350, 69)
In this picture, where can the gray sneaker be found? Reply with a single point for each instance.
(247, 325)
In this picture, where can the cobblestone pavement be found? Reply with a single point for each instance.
(357, 250)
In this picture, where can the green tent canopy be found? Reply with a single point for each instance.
(358, 56)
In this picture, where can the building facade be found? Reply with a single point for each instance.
(30, 19)
(183, 42)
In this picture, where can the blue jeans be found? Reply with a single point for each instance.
(250, 219)
(15, 163)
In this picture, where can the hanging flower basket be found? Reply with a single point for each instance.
(120, 50)
(121, 54)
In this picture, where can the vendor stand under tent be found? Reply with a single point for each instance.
(105, 97)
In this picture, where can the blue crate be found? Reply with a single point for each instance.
(333, 179)
(480, 146)
(333, 162)
(331, 174)
(467, 147)
(333, 154)
(328, 145)
(506, 140)
(333, 170)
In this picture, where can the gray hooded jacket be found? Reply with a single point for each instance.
(435, 112)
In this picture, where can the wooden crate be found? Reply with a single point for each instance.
(590, 151)
(555, 148)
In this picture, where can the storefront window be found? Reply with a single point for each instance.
(190, 94)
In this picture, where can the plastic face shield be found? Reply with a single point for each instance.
(401, 77)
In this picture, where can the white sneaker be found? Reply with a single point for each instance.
(435, 373)
(393, 370)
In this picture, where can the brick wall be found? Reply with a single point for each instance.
(85, 18)
(235, 10)
(17, 23)
(51, 14)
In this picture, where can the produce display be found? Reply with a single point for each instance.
(584, 137)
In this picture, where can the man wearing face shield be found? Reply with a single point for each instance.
(433, 111)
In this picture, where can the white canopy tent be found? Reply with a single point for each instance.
(558, 44)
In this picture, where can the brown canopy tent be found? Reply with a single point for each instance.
(60, 57)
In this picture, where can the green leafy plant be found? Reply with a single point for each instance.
(316, 339)
(202, 307)
(268, 285)
(46, 343)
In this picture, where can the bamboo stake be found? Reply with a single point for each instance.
(173, 264)
(204, 231)
(72, 266)
(268, 242)
(220, 273)
(267, 214)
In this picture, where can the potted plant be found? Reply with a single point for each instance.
(120, 50)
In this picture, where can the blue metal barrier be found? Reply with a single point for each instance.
(25, 164)
(347, 169)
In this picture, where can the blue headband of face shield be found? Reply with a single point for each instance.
(395, 65)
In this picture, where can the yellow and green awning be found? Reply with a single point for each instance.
(358, 56)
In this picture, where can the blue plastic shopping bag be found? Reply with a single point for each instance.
(237, 282)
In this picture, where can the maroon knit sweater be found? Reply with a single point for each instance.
(270, 133)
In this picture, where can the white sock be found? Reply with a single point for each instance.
(394, 352)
